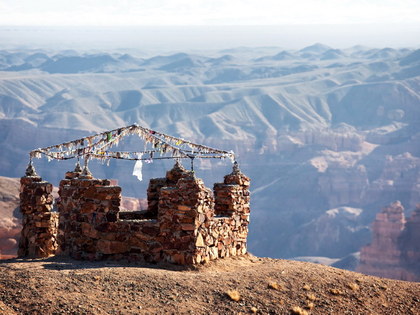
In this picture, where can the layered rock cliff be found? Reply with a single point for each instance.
(394, 251)
(10, 225)
(409, 242)
(313, 134)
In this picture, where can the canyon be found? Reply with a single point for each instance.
(328, 137)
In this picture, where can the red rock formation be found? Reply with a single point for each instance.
(410, 243)
(10, 226)
(394, 251)
(9, 236)
(400, 175)
(133, 204)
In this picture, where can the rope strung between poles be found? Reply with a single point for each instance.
(97, 147)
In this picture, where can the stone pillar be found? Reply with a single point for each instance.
(155, 185)
(39, 232)
(64, 211)
(181, 211)
(233, 194)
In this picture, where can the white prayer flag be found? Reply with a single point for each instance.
(138, 168)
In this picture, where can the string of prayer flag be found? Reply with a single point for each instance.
(98, 147)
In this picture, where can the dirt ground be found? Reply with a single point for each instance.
(245, 285)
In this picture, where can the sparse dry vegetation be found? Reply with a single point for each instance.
(353, 286)
(311, 297)
(298, 311)
(306, 287)
(234, 295)
(275, 286)
(335, 291)
(310, 305)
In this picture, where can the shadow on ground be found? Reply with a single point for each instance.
(66, 263)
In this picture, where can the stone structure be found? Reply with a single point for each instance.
(186, 223)
(395, 249)
(39, 232)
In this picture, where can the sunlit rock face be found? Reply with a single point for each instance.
(394, 251)
(335, 233)
(410, 245)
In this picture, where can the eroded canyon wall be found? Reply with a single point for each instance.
(394, 251)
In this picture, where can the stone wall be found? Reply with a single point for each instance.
(394, 251)
(64, 219)
(86, 204)
(185, 222)
(38, 236)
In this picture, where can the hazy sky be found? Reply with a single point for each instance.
(167, 24)
(207, 12)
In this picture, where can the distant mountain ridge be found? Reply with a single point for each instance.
(330, 129)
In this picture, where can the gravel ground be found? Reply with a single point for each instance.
(245, 285)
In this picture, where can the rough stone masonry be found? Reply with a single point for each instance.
(186, 222)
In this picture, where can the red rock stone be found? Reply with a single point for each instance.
(394, 251)
(111, 247)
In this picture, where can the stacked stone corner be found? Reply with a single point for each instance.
(39, 233)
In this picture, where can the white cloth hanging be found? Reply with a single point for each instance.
(137, 171)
